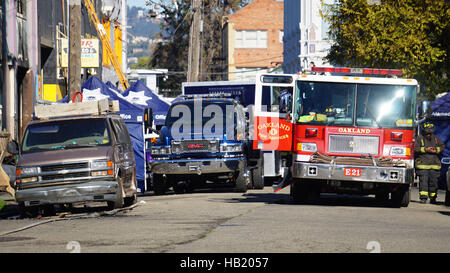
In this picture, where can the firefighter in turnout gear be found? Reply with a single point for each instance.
(427, 148)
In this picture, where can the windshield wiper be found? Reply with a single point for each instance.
(35, 149)
(80, 145)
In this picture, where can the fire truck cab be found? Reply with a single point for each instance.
(346, 133)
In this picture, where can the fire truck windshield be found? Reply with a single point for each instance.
(351, 104)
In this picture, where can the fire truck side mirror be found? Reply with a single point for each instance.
(424, 111)
(286, 103)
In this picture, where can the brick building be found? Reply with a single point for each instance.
(253, 39)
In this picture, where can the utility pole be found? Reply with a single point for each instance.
(194, 43)
(74, 47)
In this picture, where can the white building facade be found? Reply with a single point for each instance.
(305, 40)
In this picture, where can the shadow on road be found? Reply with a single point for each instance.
(447, 213)
(12, 211)
(325, 200)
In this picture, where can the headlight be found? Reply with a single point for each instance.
(101, 164)
(231, 148)
(160, 150)
(27, 170)
(307, 147)
(399, 151)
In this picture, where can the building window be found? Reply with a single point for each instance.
(251, 39)
(312, 48)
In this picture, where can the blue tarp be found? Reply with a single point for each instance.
(441, 120)
(140, 95)
(94, 89)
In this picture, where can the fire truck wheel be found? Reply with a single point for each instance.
(28, 212)
(401, 197)
(300, 192)
(382, 196)
(119, 202)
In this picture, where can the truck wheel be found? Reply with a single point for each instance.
(241, 181)
(299, 192)
(306, 192)
(159, 185)
(129, 201)
(382, 196)
(257, 178)
(447, 198)
(180, 187)
(28, 212)
(119, 202)
(149, 185)
(401, 197)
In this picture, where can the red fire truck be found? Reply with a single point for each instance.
(348, 133)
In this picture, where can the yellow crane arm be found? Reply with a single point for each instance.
(106, 43)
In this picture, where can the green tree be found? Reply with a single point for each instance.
(406, 34)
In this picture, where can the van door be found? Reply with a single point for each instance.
(273, 118)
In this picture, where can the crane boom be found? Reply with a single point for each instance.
(106, 43)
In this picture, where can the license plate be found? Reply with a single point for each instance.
(352, 172)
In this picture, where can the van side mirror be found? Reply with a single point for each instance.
(12, 147)
(148, 118)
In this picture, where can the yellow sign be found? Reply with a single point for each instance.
(89, 53)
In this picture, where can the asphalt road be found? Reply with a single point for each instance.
(214, 221)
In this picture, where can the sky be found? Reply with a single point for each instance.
(136, 3)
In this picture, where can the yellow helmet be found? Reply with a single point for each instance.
(428, 127)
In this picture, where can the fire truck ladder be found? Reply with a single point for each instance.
(106, 43)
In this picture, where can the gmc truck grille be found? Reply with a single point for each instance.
(195, 146)
(353, 144)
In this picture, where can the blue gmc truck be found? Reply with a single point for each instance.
(205, 141)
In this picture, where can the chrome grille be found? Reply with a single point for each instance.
(65, 171)
(195, 146)
(353, 144)
(65, 176)
(60, 167)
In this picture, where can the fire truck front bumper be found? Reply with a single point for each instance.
(397, 175)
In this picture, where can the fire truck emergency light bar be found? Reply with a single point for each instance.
(372, 71)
